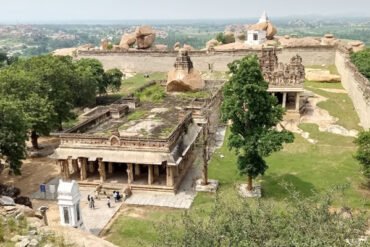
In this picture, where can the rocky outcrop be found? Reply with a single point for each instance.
(184, 77)
(329, 39)
(145, 37)
(177, 46)
(128, 39)
(212, 44)
(14, 193)
(188, 47)
(268, 27)
(357, 46)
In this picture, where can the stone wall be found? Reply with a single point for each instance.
(151, 61)
(357, 86)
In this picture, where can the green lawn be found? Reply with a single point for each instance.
(331, 67)
(310, 168)
(130, 85)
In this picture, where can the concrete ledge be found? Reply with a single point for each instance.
(210, 187)
(256, 192)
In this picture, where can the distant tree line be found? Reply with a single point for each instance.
(38, 94)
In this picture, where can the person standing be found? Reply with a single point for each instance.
(92, 202)
(108, 201)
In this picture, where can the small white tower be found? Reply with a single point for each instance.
(264, 18)
(69, 204)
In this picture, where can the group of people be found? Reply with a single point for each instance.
(116, 196)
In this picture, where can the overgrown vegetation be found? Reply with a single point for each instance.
(362, 61)
(154, 93)
(138, 81)
(363, 154)
(136, 115)
(301, 222)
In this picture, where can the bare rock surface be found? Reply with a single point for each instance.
(321, 75)
(128, 39)
(145, 37)
(299, 42)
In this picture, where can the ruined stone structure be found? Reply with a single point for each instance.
(184, 77)
(285, 80)
(113, 148)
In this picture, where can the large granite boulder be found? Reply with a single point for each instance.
(357, 45)
(177, 46)
(212, 43)
(188, 47)
(145, 37)
(184, 77)
(268, 27)
(128, 39)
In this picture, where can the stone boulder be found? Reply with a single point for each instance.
(23, 200)
(184, 77)
(128, 39)
(357, 45)
(6, 201)
(145, 37)
(9, 190)
(212, 43)
(270, 29)
(188, 47)
(177, 46)
(329, 39)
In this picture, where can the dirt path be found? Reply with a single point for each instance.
(34, 171)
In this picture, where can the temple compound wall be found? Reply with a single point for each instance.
(357, 86)
(155, 61)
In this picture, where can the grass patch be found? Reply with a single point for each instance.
(130, 85)
(331, 67)
(155, 93)
(339, 105)
(328, 85)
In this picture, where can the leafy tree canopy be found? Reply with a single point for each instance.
(255, 114)
(13, 134)
(361, 60)
(363, 153)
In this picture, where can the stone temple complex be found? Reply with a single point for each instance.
(285, 80)
(146, 146)
(184, 77)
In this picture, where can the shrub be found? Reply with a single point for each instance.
(362, 61)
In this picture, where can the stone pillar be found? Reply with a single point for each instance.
(137, 170)
(150, 174)
(83, 170)
(284, 99)
(75, 165)
(103, 175)
(131, 173)
(170, 180)
(110, 168)
(297, 97)
(64, 169)
(176, 171)
(156, 171)
(91, 166)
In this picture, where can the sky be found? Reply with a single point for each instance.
(19, 11)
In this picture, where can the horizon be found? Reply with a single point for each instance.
(82, 11)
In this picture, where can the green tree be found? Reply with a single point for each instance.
(97, 70)
(220, 37)
(113, 79)
(19, 85)
(363, 153)
(299, 222)
(254, 114)
(13, 134)
(361, 60)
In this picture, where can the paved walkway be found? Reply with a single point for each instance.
(96, 219)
